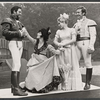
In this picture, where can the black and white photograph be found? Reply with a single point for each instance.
(49, 50)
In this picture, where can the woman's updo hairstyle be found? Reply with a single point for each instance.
(45, 33)
(63, 18)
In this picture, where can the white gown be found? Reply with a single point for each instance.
(68, 62)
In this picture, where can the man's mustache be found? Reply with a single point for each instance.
(74, 13)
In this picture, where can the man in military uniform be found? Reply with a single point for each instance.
(86, 37)
(14, 31)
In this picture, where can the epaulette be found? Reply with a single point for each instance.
(6, 20)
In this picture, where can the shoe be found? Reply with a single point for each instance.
(18, 92)
(15, 85)
(87, 87)
(23, 89)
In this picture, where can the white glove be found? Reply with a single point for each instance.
(25, 33)
(57, 52)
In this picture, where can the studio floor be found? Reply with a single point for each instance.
(94, 92)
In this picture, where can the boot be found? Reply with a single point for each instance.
(14, 82)
(18, 76)
(12, 87)
(88, 78)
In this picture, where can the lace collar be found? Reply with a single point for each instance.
(37, 51)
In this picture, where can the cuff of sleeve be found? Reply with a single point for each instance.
(91, 47)
(20, 33)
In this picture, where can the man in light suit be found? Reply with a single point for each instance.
(86, 37)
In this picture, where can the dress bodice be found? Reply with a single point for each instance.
(42, 50)
(65, 35)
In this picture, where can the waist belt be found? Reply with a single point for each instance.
(83, 38)
(40, 53)
(16, 39)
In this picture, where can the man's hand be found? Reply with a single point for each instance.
(25, 33)
(90, 51)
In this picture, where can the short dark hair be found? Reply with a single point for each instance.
(15, 8)
(83, 9)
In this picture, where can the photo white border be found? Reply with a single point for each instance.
(49, 2)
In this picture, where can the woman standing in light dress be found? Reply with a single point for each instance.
(65, 39)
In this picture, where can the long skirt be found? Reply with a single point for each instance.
(69, 69)
(42, 75)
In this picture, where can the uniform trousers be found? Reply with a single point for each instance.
(16, 49)
(82, 47)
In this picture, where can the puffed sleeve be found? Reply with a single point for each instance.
(92, 23)
(6, 25)
(9, 34)
(92, 31)
(57, 36)
(6, 21)
(73, 32)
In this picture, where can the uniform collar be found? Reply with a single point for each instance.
(83, 19)
(12, 17)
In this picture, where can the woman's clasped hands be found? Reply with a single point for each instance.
(60, 46)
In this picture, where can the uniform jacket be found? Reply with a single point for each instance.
(10, 28)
